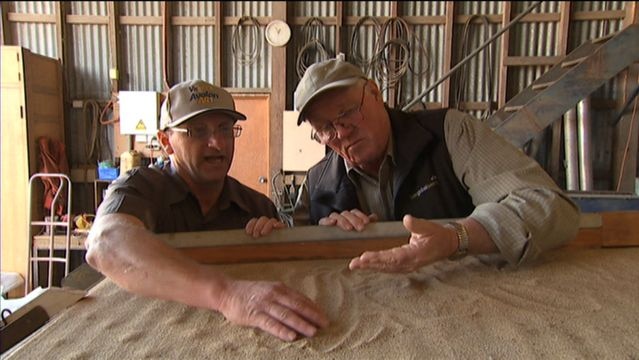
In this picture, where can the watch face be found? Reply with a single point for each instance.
(277, 33)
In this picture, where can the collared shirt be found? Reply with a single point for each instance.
(164, 203)
(515, 200)
(375, 195)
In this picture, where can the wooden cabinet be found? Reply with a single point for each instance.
(32, 106)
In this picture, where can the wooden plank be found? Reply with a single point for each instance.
(262, 20)
(278, 98)
(598, 15)
(620, 229)
(31, 18)
(193, 21)
(496, 18)
(448, 51)
(290, 251)
(339, 11)
(167, 45)
(218, 38)
(5, 26)
(141, 20)
(87, 19)
(531, 60)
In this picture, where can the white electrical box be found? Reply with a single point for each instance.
(300, 151)
(139, 112)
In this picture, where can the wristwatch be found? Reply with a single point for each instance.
(462, 240)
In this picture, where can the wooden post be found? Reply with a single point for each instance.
(624, 159)
(167, 45)
(278, 97)
(219, 36)
(503, 68)
(448, 51)
(7, 39)
(339, 9)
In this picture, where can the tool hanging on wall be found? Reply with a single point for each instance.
(313, 49)
(246, 41)
(366, 64)
(395, 50)
(462, 75)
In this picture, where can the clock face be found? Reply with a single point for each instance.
(277, 33)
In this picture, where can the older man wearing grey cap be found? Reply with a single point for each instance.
(386, 164)
(194, 193)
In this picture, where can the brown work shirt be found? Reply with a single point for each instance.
(163, 202)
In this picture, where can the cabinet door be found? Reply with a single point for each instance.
(15, 165)
(251, 160)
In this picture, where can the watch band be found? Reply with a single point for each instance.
(462, 240)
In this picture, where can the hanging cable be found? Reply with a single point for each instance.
(313, 49)
(395, 47)
(91, 107)
(392, 52)
(488, 65)
(364, 63)
(253, 37)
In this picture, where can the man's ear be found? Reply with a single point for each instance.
(374, 89)
(165, 142)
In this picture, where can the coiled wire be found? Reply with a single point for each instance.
(253, 38)
(462, 75)
(366, 64)
(313, 49)
(395, 47)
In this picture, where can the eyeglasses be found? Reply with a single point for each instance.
(345, 119)
(205, 132)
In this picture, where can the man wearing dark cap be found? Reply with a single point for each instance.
(388, 165)
(194, 193)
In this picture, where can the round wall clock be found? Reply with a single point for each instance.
(277, 33)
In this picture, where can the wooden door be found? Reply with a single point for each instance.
(251, 160)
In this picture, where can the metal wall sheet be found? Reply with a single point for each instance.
(422, 8)
(141, 46)
(242, 8)
(315, 8)
(478, 7)
(40, 38)
(251, 66)
(426, 63)
(193, 46)
(367, 8)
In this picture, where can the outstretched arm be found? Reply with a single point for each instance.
(429, 242)
(120, 247)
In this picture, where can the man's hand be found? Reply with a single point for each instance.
(348, 220)
(429, 242)
(262, 226)
(272, 307)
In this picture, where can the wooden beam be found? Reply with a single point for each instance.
(31, 18)
(141, 20)
(598, 15)
(167, 45)
(219, 36)
(60, 26)
(193, 21)
(531, 60)
(608, 229)
(630, 16)
(339, 10)
(503, 69)
(87, 19)
(278, 98)
(449, 27)
(7, 38)
(122, 143)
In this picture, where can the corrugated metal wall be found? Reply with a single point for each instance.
(245, 71)
(194, 46)
(193, 56)
(141, 49)
(38, 37)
